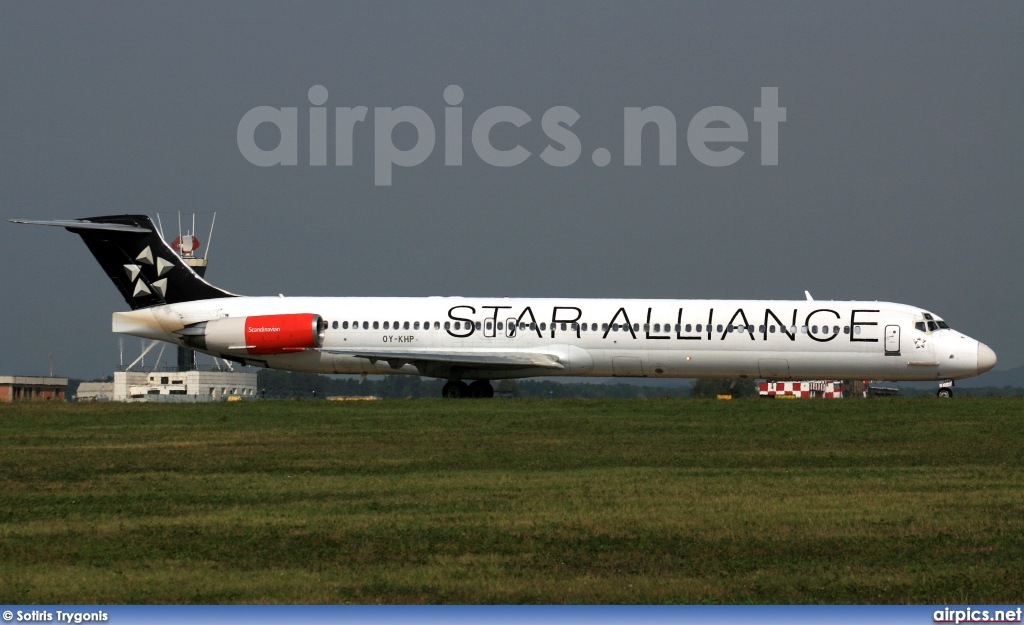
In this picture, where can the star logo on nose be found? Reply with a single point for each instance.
(919, 343)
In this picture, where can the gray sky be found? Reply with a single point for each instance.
(899, 173)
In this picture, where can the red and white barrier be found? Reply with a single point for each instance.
(826, 389)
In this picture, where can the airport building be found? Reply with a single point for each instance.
(171, 386)
(94, 391)
(31, 388)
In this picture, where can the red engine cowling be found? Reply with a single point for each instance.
(262, 334)
(278, 334)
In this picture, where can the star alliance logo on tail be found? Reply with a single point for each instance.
(135, 274)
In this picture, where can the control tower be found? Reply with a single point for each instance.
(186, 244)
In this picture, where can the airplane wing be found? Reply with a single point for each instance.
(466, 359)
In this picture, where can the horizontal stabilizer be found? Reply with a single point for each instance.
(80, 224)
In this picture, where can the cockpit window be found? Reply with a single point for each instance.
(932, 326)
(928, 316)
(943, 324)
(919, 326)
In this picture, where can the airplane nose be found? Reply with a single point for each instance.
(986, 358)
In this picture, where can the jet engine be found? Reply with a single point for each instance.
(262, 334)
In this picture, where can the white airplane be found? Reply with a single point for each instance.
(462, 339)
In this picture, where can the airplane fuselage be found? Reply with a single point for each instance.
(596, 337)
(482, 339)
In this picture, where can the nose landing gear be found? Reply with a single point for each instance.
(945, 389)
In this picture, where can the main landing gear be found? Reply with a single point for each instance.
(457, 389)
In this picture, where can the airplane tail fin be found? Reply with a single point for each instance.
(135, 257)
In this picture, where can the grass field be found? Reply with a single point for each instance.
(578, 501)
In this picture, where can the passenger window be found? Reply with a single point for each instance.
(376, 325)
(719, 328)
(437, 325)
(344, 325)
(385, 325)
(533, 326)
(477, 325)
(846, 329)
(814, 329)
(563, 327)
(699, 326)
(501, 326)
(593, 327)
(803, 329)
(405, 326)
(447, 325)
(761, 329)
(771, 329)
(334, 325)
(647, 327)
(689, 328)
(488, 325)
(366, 325)
(636, 327)
(856, 329)
(416, 325)
(835, 329)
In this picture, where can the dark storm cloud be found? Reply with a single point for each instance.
(898, 175)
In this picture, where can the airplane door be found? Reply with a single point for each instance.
(510, 327)
(627, 366)
(892, 340)
(489, 327)
(774, 369)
